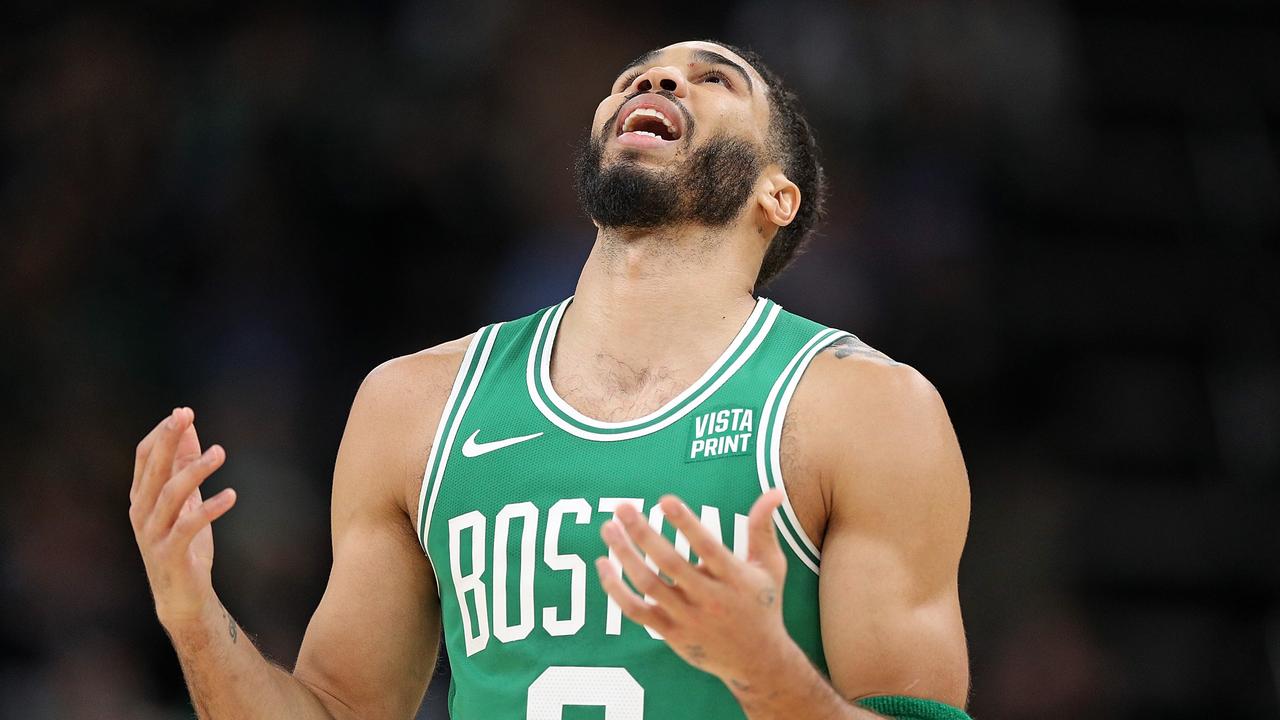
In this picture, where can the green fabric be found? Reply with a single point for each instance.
(903, 707)
(513, 530)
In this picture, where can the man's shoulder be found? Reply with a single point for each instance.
(396, 408)
(427, 375)
(426, 362)
(434, 368)
(847, 364)
(846, 377)
(859, 409)
(848, 370)
(416, 377)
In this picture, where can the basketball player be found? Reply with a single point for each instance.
(664, 497)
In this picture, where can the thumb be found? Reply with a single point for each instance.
(763, 547)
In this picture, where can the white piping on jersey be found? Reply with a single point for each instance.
(610, 437)
(775, 456)
(434, 452)
(548, 342)
(774, 459)
(438, 475)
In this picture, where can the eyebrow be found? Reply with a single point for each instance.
(709, 57)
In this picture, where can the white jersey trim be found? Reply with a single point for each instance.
(769, 464)
(434, 473)
(674, 417)
(548, 342)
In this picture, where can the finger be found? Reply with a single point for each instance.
(190, 522)
(632, 605)
(188, 450)
(661, 552)
(642, 577)
(143, 452)
(160, 460)
(175, 493)
(714, 555)
(762, 545)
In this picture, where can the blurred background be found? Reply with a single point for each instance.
(1065, 214)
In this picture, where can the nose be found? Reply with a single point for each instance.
(665, 77)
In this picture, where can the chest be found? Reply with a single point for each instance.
(522, 471)
(513, 440)
(712, 461)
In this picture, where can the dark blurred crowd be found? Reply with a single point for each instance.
(1063, 213)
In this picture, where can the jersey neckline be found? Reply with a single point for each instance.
(564, 415)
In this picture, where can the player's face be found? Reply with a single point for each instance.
(679, 140)
(678, 97)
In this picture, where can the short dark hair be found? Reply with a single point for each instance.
(794, 148)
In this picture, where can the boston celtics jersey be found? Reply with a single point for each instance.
(516, 488)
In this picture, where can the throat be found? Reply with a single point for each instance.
(623, 348)
(611, 389)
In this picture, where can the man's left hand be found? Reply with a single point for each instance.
(722, 615)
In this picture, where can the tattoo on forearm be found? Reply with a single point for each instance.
(851, 345)
(231, 624)
(767, 597)
(696, 654)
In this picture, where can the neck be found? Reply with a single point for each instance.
(666, 301)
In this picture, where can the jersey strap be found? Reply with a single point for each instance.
(768, 458)
(464, 388)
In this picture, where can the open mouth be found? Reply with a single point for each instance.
(650, 122)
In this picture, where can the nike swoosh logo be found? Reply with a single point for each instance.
(471, 448)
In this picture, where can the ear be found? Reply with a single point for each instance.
(779, 199)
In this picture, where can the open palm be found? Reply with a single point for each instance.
(170, 518)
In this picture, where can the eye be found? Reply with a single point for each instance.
(626, 81)
(718, 77)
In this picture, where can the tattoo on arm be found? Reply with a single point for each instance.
(231, 624)
(851, 345)
(696, 654)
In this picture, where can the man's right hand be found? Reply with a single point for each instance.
(172, 524)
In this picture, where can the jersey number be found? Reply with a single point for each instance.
(610, 687)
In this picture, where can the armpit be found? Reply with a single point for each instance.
(803, 482)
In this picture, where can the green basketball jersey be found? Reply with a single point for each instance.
(518, 483)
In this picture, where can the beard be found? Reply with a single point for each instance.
(709, 188)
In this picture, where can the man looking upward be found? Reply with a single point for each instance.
(789, 505)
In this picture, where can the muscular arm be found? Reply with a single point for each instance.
(897, 495)
(371, 645)
(875, 442)
(888, 595)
